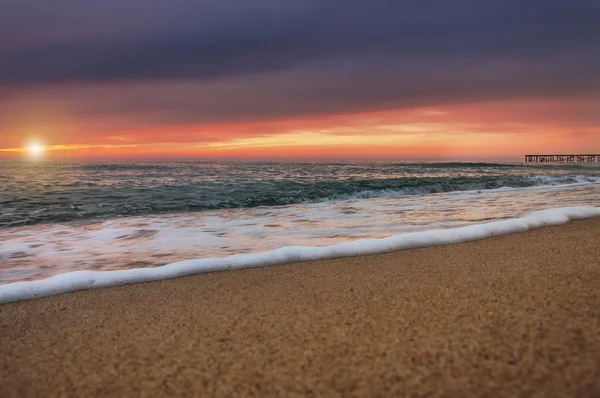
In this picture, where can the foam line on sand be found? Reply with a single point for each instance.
(83, 280)
(511, 316)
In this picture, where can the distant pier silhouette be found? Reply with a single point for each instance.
(562, 158)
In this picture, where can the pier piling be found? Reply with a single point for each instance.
(562, 158)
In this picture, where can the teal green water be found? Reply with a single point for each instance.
(33, 193)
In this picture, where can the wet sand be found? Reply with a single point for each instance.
(517, 315)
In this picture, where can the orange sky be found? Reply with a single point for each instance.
(298, 79)
(501, 130)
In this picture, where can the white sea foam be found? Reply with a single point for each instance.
(81, 280)
(41, 251)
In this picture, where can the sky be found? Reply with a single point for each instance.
(298, 79)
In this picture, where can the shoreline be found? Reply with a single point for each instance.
(86, 279)
(512, 315)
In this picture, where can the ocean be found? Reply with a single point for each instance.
(59, 218)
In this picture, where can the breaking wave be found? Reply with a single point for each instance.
(82, 192)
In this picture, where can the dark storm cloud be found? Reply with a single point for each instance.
(68, 40)
(193, 62)
(337, 87)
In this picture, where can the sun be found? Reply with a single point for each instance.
(35, 150)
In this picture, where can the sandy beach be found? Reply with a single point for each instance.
(517, 315)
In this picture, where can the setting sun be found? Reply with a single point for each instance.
(35, 150)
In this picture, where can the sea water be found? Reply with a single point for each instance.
(60, 218)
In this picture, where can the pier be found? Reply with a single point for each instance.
(562, 158)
